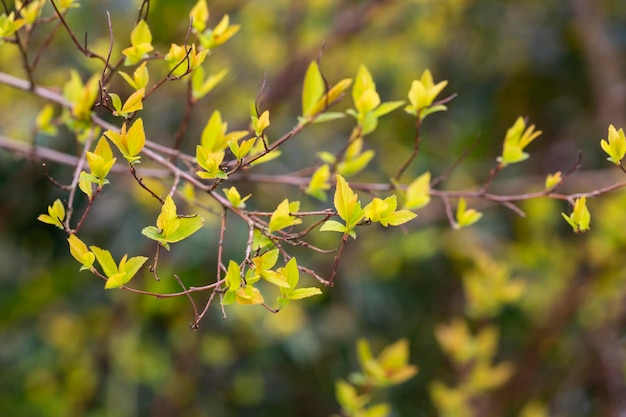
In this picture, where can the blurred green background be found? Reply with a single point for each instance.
(70, 348)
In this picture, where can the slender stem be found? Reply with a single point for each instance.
(416, 149)
(74, 186)
(337, 259)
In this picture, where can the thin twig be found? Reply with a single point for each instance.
(143, 185)
(77, 171)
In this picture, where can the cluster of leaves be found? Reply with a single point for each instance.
(225, 157)
(390, 368)
(222, 155)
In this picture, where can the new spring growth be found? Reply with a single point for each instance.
(580, 217)
(422, 94)
(615, 147)
(517, 138)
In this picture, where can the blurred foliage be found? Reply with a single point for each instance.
(68, 348)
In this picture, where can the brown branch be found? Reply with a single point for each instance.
(143, 185)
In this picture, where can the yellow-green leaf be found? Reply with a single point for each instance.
(79, 251)
(615, 147)
(199, 15)
(464, 216)
(312, 90)
(55, 216)
(282, 218)
(580, 218)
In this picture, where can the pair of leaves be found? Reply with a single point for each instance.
(214, 137)
(9, 25)
(282, 218)
(354, 159)
(315, 98)
(391, 367)
(170, 227)
(291, 274)
(210, 162)
(580, 218)
(132, 104)
(140, 77)
(238, 293)
(82, 96)
(100, 162)
(368, 107)
(117, 275)
(131, 142)
(182, 61)
(422, 95)
(141, 44)
(233, 196)
(615, 146)
(517, 138)
(464, 216)
(221, 33)
(55, 216)
(384, 212)
(349, 210)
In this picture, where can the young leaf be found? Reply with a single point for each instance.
(84, 183)
(300, 293)
(201, 87)
(141, 44)
(79, 251)
(105, 259)
(282, 218)
(9, 25)
(319, 183)
(330, 97)
(464, 216)
(199, 15)
(211, 162)
(347, 204)
(422, 94)
(333, 226)
(384, 212)
(55, 216)
(241, 150)
(133, 103)
(222, 32)
(517, 138)
(182, 61)
(248, 295)
(171, 228)
(140, 77)
(394, 359)
(235, 198)
(552, 180)
(615, 147)
(100, 162)
(417, 194)
(291, 275)
(129, 143)
(312, 89)
(580, 218)
(44, 121)
(233, 276)
(259, 124)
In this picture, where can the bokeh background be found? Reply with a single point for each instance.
(70, 348)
